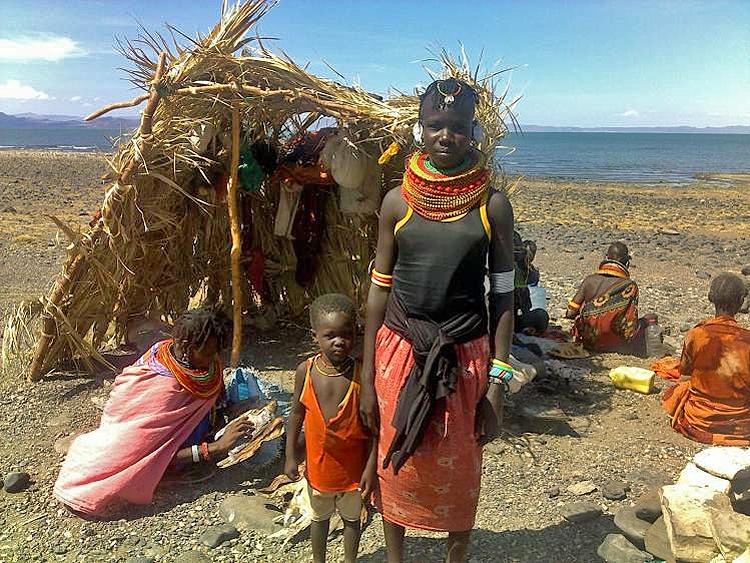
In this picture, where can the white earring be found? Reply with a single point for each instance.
(417, 132)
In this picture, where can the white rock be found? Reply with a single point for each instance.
(694, 476)
(727, 462)
(687, 517)
(744, 558)
(582, 488)
(732, 532)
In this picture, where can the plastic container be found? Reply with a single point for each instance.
(632, 378)
(654, 338)
(538, 296)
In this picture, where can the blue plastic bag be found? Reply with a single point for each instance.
(243, 385)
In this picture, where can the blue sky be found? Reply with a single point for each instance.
(579, 63)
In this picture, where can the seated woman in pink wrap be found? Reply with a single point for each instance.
(159, 414)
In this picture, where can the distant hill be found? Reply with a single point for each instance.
(736, 129)
(36, 121)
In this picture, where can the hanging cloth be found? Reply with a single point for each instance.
(249, 171)
(307, 232)
(289, 197)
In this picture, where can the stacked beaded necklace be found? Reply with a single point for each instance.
(199, 383)
(439, 196)
(613, 268)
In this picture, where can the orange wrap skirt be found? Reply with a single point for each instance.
(438, 486)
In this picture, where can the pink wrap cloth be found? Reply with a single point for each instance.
(147, 418)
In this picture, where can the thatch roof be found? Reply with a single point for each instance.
(163, 239)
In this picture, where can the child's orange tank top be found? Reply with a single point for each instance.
(336, 449)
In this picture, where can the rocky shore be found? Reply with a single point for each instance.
(617, 446)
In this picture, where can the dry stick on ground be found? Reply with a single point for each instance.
(234, 224)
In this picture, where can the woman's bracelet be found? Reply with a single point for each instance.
(500, 372)
(382, 280)
(196, 454)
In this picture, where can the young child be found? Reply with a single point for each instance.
(340, 467)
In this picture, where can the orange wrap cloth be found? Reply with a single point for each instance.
(713, 407)
(438, 486)
(667, 368)
(610, 321)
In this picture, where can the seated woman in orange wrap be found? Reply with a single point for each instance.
(605, 307)
(712, 403)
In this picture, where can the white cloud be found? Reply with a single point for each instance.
(76, 99)
(97, 99)
(630, 113)
(14, 90)
(41, 47)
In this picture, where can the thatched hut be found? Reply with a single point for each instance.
(171, 232)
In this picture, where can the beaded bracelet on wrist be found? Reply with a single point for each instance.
(204, 452)
(500, 371)
(382, 280)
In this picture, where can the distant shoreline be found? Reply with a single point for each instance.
(60, 149)
(678, 130)
(714, 177)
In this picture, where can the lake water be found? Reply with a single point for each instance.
(67, 138)
(650, 157)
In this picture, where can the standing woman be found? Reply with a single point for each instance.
(429, 389)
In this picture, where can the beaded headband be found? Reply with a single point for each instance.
(449, 98)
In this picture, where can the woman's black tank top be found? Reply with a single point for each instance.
(441, 265)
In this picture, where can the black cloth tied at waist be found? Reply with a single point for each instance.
(433, 375)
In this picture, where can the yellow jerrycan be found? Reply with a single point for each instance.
(635, 379)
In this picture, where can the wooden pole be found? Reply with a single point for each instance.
(119, 105)
(332, 108)
(147, 119)
(59, 292)
(234, 225)
(65, 281)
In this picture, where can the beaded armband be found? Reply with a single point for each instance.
(382, 280)
(573, 305)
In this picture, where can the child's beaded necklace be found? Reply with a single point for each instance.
(331, 370)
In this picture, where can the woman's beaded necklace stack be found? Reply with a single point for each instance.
(442, 195)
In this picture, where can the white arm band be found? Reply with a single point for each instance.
(502, 282)
(196, 454)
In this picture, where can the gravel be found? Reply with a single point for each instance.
(616, 435)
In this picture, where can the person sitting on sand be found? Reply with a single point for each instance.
(340, 466)
(159, 414)
(531, 313)
(712, 403)
(605, 307)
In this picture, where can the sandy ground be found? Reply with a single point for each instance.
(678, 236)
